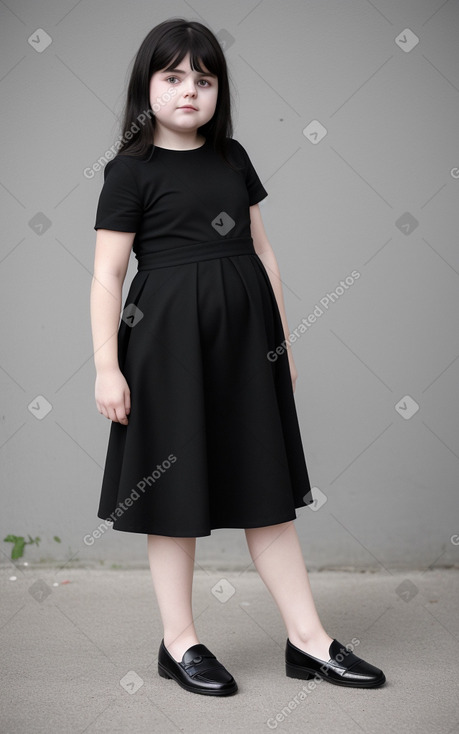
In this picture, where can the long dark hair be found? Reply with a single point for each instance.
(163, 48)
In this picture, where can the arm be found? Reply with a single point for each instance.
(268, 258)
(111, 260)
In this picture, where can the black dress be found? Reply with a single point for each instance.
(213, 438)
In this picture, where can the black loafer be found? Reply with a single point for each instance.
(343, 668)
(199, 671)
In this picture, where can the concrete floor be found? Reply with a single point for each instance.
(80, 651)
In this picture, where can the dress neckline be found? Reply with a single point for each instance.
(184, 150)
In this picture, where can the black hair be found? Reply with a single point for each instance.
(163, 48)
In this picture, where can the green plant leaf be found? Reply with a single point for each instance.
(10, 539)
(18, 548)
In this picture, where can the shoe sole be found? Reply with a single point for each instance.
(192, 689)
(295, 671)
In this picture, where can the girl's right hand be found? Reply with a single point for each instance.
(113, 396)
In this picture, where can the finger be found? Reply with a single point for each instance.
(121, 416)
(111, 414)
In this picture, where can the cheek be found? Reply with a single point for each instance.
(156, 87)
(153, 86)
(213, 97)
(157, 97)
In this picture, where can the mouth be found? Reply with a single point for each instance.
(188, 107)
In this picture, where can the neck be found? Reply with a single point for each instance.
(178, 141)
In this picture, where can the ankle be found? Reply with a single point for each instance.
(307, 634)
(315, 643)
(177, 645)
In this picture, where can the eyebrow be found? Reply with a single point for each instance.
(181, 71)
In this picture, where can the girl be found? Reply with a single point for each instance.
(196, 378)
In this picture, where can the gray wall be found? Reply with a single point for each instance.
(377, 393)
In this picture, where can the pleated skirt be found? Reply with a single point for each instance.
(213, 438)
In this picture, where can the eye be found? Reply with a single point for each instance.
(168, 79)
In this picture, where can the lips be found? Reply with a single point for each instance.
(188, 107)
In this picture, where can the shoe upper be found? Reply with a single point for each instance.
(342, 662)
(198, 663)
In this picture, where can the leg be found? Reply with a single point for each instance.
(277, 556)
(172, 564)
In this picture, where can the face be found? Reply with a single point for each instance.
(172, 91)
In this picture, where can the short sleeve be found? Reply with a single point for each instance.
(255, 188)
(119, 207)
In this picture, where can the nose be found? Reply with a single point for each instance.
(190, 87)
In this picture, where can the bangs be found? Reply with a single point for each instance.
(170, 53)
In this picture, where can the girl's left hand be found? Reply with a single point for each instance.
(293, 370)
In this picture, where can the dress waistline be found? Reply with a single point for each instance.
(195, 252)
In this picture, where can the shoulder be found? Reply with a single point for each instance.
(234, 146)
(126, 172)
(122, 164)
(237, 153)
